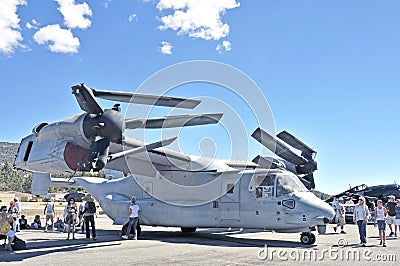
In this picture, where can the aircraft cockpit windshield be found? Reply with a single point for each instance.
(275, 185)
(286, 184)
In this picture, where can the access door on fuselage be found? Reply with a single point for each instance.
(229, 205)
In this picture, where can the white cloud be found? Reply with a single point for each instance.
(132, 17)
(166, 48)
(33, 24)
(59, 40)
(197, 18)
(10, 30)
(74, 14)
(224, 47)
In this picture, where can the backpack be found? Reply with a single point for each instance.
(91, 207)
(18, 244)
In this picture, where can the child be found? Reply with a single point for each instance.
(380, 219)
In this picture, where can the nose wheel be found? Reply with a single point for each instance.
(307, 238)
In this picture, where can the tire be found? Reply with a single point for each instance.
(306, 238)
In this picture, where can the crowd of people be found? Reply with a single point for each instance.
(11, 220)
(381, 215)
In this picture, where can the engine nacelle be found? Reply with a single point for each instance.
(71, 128)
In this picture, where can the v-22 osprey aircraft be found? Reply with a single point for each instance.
(266, 193)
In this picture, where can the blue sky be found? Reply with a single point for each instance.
(329, 69)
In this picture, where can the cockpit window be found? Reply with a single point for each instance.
(265, 187)
(286, 184)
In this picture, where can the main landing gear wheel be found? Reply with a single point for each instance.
(307, 238)
(188, 229)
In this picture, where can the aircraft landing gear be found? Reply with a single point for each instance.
(307, 238)
(188, 229)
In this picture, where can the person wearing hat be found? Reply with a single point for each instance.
(89, 212)
(391, 219)
(49, 212)
(340, 215)
(18, 206)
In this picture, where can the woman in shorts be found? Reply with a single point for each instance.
(380, 219)
(70, 221)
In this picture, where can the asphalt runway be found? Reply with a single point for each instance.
(160, 245)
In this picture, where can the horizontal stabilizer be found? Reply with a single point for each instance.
(295, 142)
(148, 99)
(173, 121)
(277, 147)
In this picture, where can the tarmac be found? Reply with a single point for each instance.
(161, 245)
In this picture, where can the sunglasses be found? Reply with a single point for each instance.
(4, 210)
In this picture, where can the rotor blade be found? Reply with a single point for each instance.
(305, 182)
(86, 99)
(173, 121)
(277, 147)
(295, 142)
(148, 99)
(147, 147)
(266, 162)
(308, 181)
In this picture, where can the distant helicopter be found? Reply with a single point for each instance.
(370, 192)
(265, 193)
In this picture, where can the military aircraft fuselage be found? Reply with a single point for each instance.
(276, 200)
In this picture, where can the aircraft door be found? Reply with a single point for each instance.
(230, 200)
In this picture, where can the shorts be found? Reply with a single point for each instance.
(341, 220)
(11, 233)
(381, 225)
(398, 222)
(391, 220)
(49, 217)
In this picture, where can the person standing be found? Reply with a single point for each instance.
(133, 218)
(81, 218)
(380, 219)
(360, 217)
(391, 219)
(18, 206)
(49, 212)
(71, 217)
(89, 212)
(397, 209)
(340, 215)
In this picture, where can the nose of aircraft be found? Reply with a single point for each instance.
(315, 206)
(326, 210)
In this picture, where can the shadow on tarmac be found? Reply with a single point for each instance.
(39, 246)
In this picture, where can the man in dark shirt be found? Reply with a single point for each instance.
(391, 219)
